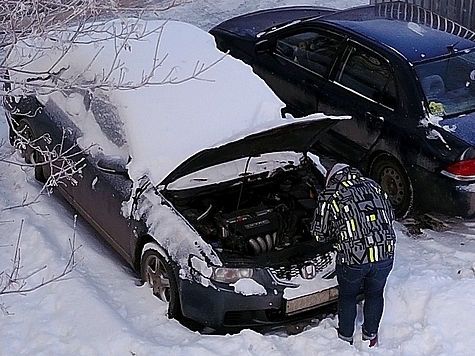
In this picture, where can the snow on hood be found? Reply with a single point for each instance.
(228, 103)
(164, 123)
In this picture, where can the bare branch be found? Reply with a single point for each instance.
(68, 22)
(12, 282)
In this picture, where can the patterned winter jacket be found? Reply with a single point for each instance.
(357, 214)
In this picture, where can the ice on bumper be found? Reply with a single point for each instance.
(248, 286)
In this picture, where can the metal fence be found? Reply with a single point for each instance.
(461, 11)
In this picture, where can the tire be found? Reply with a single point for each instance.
(29, 153)
(392, 177)
(157, 273)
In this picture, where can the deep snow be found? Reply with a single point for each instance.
(99, 309)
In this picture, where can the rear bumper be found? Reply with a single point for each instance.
(439, 194)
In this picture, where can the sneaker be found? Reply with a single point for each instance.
(372, 338)
(348, 339)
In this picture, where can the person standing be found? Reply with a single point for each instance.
(357, 215)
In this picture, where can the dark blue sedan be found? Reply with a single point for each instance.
(404, 76)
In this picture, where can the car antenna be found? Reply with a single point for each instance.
(451, 48)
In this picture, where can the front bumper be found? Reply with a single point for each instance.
(220, 307)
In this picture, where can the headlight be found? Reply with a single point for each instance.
(230, 275)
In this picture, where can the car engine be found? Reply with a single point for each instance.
(258, 217)
(252, 230)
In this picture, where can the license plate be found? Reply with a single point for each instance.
(311, 301)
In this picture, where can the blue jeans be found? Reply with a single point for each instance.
(371, 279)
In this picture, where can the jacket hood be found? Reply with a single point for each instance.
(340, 172)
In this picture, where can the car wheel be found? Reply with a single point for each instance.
(392, 177)
(157, 273)
(28, 151)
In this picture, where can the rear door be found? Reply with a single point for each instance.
(362, 85)
(297, 66)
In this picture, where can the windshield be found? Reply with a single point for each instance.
(449, 84)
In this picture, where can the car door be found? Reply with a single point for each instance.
(297, 65)
(100, 195)
(95, 180)
(362, 85)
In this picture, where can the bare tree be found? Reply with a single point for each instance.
(65, 21)
(63, 163)
(33, 29)
(30, 29)
(16, 279)
(61, 23)
(22, 17)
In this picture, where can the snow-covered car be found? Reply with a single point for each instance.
(192, 174)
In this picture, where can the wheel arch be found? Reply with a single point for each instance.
(175, 303)
(141, 242)
(381, 156)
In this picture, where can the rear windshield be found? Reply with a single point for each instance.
(449, 84)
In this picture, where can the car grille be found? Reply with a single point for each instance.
(287, 272)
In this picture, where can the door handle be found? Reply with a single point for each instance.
(373, 116)
(310, 84)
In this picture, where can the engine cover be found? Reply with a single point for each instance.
(251, 230)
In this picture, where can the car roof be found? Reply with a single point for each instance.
(416, 33)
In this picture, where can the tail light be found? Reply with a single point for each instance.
(461, 170)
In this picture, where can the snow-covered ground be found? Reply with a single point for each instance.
(100, 309)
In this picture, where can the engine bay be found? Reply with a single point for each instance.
(256, 216)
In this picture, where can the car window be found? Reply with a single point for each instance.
(107, 117)
(449, 84)
(97, 120)
(369, 74)
(314, 50)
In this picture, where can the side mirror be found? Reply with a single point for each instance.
(113, 165)
(262, 47)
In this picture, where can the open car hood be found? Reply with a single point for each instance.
(297, 136)
(197, 98)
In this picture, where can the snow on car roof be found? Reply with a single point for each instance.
(227, 102)
(165, 123)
